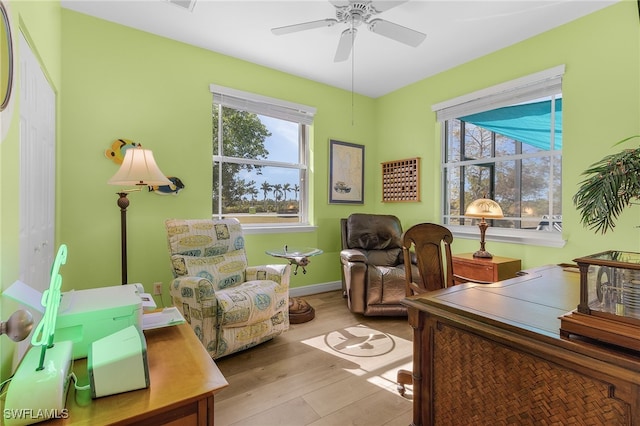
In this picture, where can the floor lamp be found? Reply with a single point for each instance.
(484, 208)
(138, 169)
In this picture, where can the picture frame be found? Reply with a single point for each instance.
(346, 173)
(6, 58)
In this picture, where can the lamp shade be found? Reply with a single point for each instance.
(484, 207)
(139, 168)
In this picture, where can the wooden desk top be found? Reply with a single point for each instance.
(180, 371)
(528, 306)
(534, 301)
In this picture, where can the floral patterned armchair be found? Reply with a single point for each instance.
(229, 305)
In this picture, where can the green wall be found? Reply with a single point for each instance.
(601, 90)
(124, 83)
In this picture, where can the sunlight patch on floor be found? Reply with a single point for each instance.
(368, 350)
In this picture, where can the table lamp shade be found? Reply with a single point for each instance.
(139, 168)
(484, 207)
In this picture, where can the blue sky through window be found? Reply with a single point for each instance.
(282, 146)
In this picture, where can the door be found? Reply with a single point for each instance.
(37, 174)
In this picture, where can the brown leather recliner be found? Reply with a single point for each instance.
(373, 274)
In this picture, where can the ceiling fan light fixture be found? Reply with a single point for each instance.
(354, 13)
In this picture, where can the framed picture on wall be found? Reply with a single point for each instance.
(6, 58)
(346, 173)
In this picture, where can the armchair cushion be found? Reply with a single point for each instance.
(223, 271)
(373, 232)
(389, 257)
(251, 302)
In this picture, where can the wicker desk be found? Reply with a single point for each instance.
(492, 354)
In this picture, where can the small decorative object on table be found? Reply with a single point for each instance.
(296, 256)
(299, 310)
(609, 309)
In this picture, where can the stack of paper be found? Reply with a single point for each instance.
(164, 318)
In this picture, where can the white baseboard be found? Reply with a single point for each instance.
(315, 289)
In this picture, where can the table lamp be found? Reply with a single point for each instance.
(138, 169)
(483, 208)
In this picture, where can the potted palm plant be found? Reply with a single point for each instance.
(613, 183)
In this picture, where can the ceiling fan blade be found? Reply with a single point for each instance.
(345, 44)
(304, 26)
(397, 32)
(381, 6)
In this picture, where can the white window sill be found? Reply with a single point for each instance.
(277, 229)
(512, 236)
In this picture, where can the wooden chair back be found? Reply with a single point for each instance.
(431, 253)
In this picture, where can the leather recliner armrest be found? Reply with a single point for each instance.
(352, 255)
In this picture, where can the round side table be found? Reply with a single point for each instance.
(299, 310)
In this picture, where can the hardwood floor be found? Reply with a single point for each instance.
(338, 369)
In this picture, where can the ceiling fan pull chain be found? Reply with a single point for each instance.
(353, 54)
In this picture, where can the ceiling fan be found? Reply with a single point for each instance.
(356, 13)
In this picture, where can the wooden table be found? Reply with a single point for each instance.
(183, 381)
(468, 268)
(488, 354)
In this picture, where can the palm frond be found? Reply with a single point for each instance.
(610, 187)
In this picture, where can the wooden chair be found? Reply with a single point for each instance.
(431, 245)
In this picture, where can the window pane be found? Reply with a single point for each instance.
(477, 142)
(505, 145)
(254, 192)
(248, 135)
(453, 141)
(527, 186)
(452, 178)
(243, 134)
(258, 195)
(530, 149)
(506, 191)
(478, 183)
(282, 143)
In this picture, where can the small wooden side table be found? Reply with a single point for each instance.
(468, 268)
(183, 381)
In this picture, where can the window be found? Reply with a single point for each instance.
(260, 158)
(505, 143)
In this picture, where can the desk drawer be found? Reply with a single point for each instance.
(474, 272)
(469, 268)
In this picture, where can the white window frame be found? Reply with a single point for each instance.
(544, 83)
(280, 109)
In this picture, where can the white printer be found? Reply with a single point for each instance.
(85, 316)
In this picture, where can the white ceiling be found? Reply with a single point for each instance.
(457, 32)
